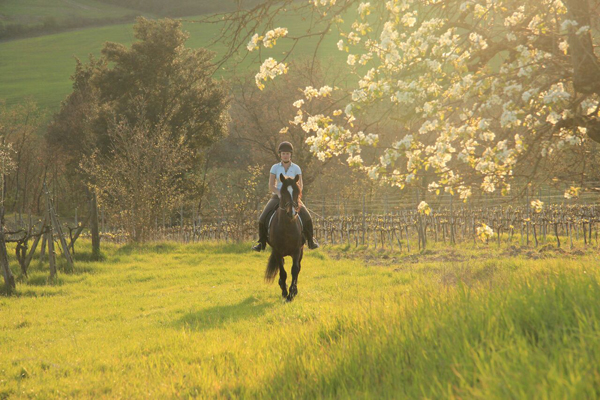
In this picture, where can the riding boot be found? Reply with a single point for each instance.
(262, 238)
(308, 229)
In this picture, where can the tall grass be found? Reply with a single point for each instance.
(170, 320)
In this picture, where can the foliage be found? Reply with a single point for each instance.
(257, 117)
(423, 208)
(537, 205)
(164, 320)
(483, 91)
(485, 233)
(174, 82)
(23, 156)
(156, 87)
(234, 195)
(141, 175)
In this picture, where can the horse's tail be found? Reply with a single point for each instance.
(272, 267)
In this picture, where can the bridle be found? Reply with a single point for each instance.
(291, 201)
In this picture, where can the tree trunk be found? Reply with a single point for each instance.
(94, 229)
(9, 279)
(586, 67)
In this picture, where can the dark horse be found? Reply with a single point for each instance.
(285, 237)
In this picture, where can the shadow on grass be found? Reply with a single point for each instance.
(34, 293)
(88, 256)
(43, 279)
(29, 292)
(81, 268)
(214, 317)
(224, 248)
(159, 248)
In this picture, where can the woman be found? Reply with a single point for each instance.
(289, 169)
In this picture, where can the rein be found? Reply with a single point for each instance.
(296, 206)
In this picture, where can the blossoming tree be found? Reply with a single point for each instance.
(483, 91)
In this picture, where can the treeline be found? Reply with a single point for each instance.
(49, 25)
(180, 8)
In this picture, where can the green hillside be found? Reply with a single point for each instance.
(40, 67)
(177, 8)
(27, 18)
(35, 11)
(19, 18)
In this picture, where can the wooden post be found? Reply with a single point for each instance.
(53, 220)
(50, 239)
(34, 245)
(363, 220)
(43, 248)
(51, 254)
(61, 237)
(78, 232)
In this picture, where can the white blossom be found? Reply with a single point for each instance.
(253, 43)
(269, 70)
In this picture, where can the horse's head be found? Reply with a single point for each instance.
(290, 195)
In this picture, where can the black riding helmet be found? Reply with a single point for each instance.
(285, 146)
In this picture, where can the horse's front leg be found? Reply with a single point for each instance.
(295, 271)
(282, 279)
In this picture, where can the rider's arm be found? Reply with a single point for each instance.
(300, 183)
(273, 185)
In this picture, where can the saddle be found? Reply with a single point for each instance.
(270, 219)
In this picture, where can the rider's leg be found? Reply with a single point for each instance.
(262, 223)
(307, 227)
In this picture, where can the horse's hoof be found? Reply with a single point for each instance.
(292, 294)
(284, 293)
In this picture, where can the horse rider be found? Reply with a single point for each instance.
(288, 169)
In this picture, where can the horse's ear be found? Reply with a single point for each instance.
(297, 178)
(281, 178)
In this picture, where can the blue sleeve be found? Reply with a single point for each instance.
(299, 170)
(273, 169)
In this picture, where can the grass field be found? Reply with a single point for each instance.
(34, 11)
(169, 320)
(40, 67)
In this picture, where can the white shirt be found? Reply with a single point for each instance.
(292, 171)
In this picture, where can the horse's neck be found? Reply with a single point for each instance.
(282, 217)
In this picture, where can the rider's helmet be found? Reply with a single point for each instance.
(285, 146)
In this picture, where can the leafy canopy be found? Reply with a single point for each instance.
(481, 91)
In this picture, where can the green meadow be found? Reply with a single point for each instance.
(177, 321)
(34, 11)
(40, 67)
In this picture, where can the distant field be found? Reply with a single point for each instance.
(40, 67)
(169, 320)
(34, 11)
(30, 18)
(27, 18)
